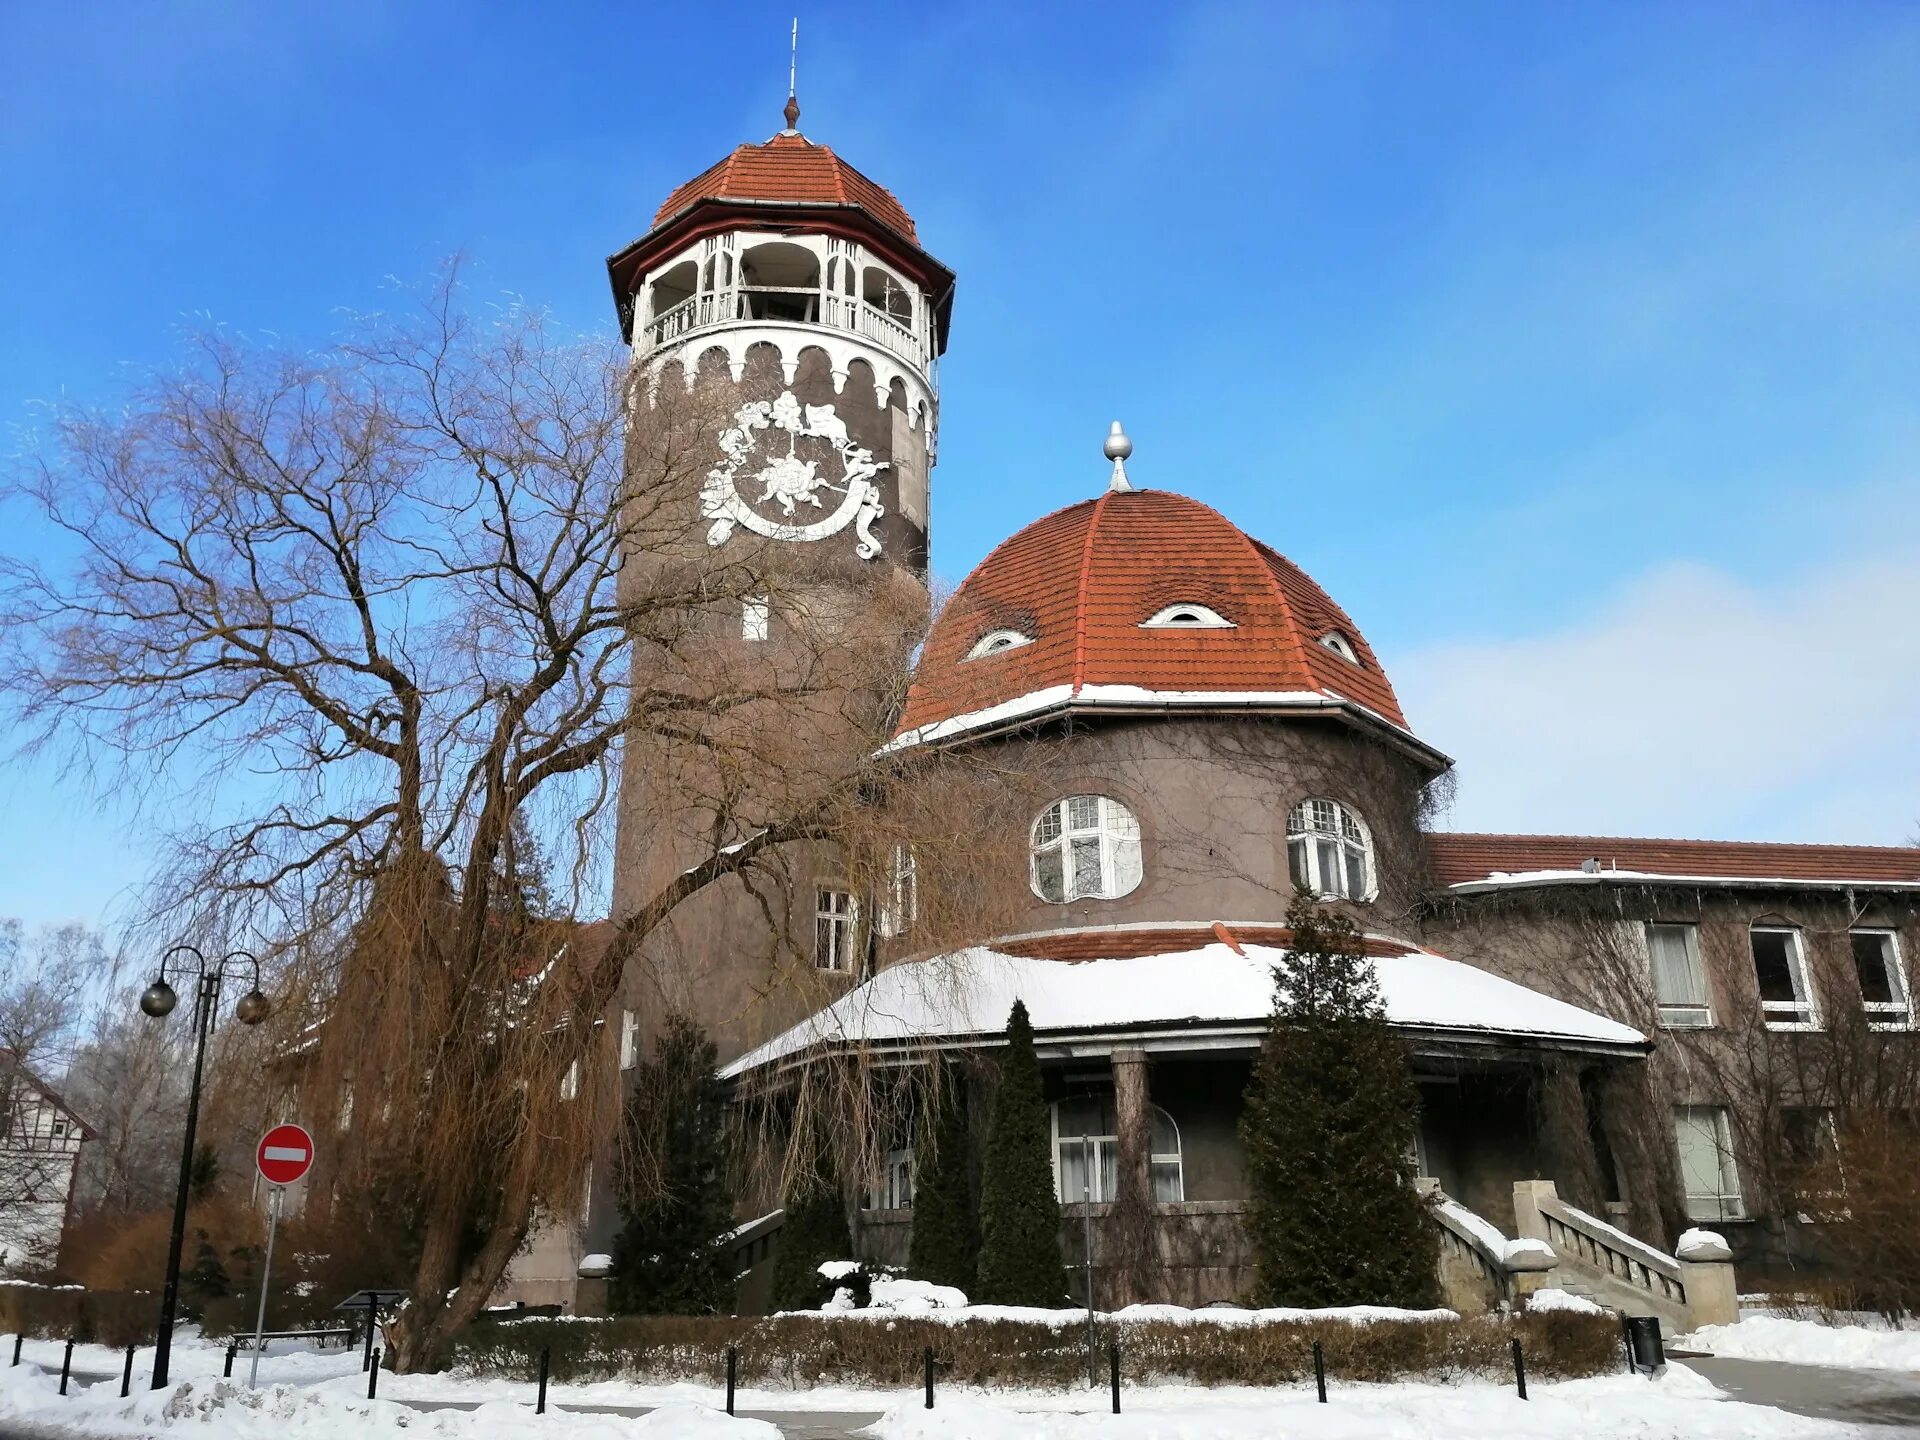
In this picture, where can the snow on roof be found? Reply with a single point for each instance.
(1522, 879)
(968, 993)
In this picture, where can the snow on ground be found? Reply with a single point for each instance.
(893, 1297)
(1552, 1299)
(1870, 1345)
(226, 1409)
(1679, 1406)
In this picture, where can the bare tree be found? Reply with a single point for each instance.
(409, 589)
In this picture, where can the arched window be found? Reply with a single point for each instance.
(994, 641)
(1328, 850)
(1086, 1152)
(1086, 847)
(1187, 617)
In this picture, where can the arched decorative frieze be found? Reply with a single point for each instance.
(791, 342)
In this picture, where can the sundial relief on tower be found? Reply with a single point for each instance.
(785, 273)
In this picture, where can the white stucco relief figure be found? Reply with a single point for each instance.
(791, 481)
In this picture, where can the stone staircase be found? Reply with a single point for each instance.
(1564, 1248)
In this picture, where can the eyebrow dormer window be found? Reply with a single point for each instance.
(1187, 617)
(1339, 644)
(995, 641)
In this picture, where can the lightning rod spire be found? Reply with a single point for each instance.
(792, 112)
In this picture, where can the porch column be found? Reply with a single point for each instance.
(1130, 1231)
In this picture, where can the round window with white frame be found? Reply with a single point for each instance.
(1329, 851)
(1086, 847)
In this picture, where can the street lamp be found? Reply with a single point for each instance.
(158, 1001)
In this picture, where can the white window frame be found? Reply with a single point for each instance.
(900, 903)
(836, 927)
(629, 1039)
(570, 1082)
(756, 618)
(1895, 1014)
(1726, 1203)
(1803, 1011)
(1307, 831)
(1106, 1155)
(1187, 616)
(998, 642)
(894, 1189)
(1114, 829)
(1677, 1014)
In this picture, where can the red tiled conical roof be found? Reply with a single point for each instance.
(790, 169)
(1080, 582)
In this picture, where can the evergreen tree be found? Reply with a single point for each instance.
(1020, 1262)
(1329, 1132)
(814, 1232)
(946, 1226)
(520, 888)
(669, 1257)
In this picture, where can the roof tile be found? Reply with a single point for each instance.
(792, 169)
(1461, 858)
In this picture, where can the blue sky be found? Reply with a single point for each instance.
(1574, 348)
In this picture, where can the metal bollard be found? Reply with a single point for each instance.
(546, 1359)
(18, 1340)
(1113, 1372)
(1519, 1368)
(373, 1374)
(733, 1366)
(1319, 1372)
(227, 1372)
(65, 1366)
(126, 1374)
(929, 1367)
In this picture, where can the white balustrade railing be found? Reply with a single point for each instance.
(747, 303)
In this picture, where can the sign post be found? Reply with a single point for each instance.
(284, 1156)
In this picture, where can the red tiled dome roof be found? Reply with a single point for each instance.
(790, 169)
(1080, 582)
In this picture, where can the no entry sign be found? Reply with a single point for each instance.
(285, 1154)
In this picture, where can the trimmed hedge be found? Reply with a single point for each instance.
(799, 1351)
(100, 1317)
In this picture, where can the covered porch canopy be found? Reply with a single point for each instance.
(1169, 989)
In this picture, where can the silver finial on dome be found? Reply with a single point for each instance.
(1117, 449)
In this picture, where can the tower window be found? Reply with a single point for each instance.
(1187, 617)
(1328, 850)
(994, 641)
(755, 617)
(1086, 847)
(1339, 644)
(835, 914)
(900, 906)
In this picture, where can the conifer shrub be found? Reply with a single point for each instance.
(677, 1206)
(815, 1231)
(1332, 1215)
(1020, 1260)
(945, 1245)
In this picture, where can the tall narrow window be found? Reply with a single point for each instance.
(1883, 982)
(1328, 850)
(834, 914)
(1706, 1163)
(1085, 848)
(1780, 967)
(570, 1082)
(900, 904)
(629, 1039)
(755, 617)
(894, 1189)
(1679, 984)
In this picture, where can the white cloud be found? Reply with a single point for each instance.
(1694, 705)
